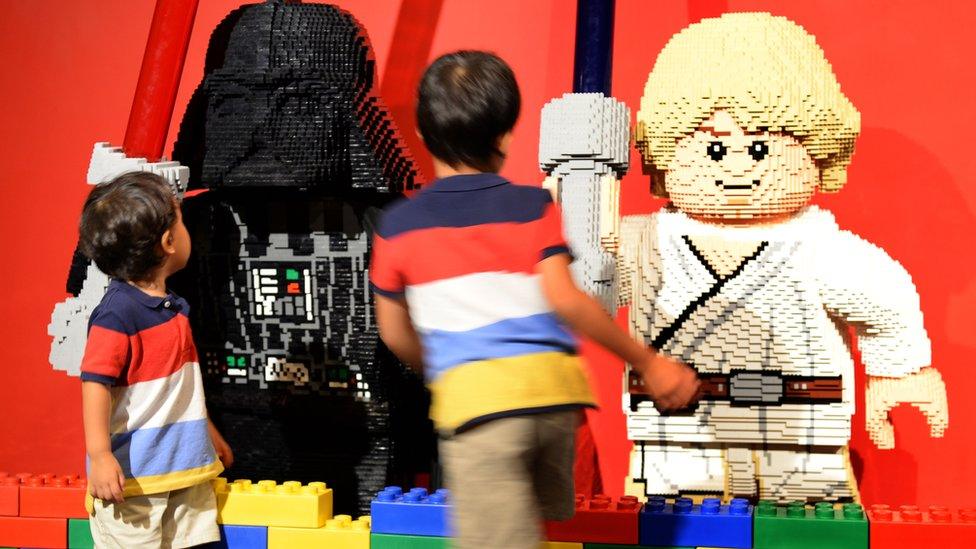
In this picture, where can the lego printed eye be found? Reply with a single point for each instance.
(758, 150)
(716, 150)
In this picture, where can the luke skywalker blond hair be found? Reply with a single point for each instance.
(767, 72)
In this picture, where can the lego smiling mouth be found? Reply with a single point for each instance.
(723, 186)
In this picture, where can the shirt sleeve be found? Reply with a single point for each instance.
(385, 274)
(107, 350)
(550, 239)
(865, 287)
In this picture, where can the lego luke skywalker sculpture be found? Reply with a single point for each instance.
(741, 122)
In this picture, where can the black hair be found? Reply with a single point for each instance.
(467, 101)
(123, 222)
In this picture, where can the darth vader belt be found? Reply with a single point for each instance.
(752, 388)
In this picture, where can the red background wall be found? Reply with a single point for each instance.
(70, 70)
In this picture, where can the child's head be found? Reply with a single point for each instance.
(740, 82)
(468, 104)
(131, 227)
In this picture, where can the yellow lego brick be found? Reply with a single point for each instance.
(267, 503)
(340, 532)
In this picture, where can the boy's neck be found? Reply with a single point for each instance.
(442, 170)
(154, 285)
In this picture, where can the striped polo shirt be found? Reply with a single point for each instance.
(463, 253)
(141, 346)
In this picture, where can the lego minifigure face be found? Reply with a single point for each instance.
(726, 174)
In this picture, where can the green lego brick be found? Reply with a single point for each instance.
(798, 526)
(397, 541)
(79, 534)
(615, 546)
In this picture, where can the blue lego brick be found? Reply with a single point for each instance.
(414, 513)
(685, 524)
(241, 537)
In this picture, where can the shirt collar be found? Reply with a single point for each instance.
(151, 301)
(467, 182)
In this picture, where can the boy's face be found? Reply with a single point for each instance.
(179, 240)
(725, 174)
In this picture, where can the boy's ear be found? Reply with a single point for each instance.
(166, 243)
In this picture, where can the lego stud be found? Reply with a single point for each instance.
(739, 506)
(823, 510)
(656, 504)
(627, 503)
(967, 515)
(796, 509)
(683, 505)
(766, 508)
(910, 513)
(881, 512)
(853, 511)
(711, 506)
(939, 513)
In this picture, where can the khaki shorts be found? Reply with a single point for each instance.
(179, 518)
(508, 474)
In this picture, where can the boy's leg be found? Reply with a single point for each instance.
(488, 473)
(137, 522)
(554, 482)
(190, 518)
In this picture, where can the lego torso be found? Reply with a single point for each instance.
(750, 322)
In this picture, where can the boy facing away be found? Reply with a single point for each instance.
(472, 280)
(151, 448)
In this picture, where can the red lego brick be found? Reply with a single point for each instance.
(51, 533)
(9, 495)
(599, 520)
(909, 527)
(53, 496)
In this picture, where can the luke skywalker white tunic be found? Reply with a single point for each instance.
(769, 340)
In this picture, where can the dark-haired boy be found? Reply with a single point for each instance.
(151, 449)
(472, 280)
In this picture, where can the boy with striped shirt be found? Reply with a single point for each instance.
(151, 449)
(472, 280)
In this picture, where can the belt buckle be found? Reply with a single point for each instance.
(748, 387)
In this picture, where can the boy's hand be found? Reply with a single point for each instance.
(224, 452)
(105, 478)
(671, 384)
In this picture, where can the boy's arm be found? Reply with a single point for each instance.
(223, 450)
(671, 384)
(396, 330)
(106, 480)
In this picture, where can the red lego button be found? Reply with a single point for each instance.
(34, 532)
(599, 520)
(53, 496)
(9, 495)
(909, 527)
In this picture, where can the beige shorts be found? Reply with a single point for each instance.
(179, 518)
(508, 474)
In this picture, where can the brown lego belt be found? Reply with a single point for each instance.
(756, 388)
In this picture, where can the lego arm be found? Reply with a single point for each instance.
(863, 286)
(583, 149)
(69, 319)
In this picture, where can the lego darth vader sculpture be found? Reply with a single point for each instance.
(296, 155)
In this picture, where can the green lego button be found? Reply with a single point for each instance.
(798, 526)
(291, 274)
(79, 534)
(398, 541)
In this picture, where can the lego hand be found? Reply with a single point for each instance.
(223, 450)
(672, 385)
(108, 161)
(105, 478)
(925, 390)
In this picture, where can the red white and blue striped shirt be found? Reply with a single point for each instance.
(463, 253)
(141, 346)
